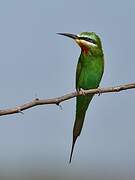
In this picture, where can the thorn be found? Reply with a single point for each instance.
(36, 96)
(60, 106)
(36, 99)
(19, 110)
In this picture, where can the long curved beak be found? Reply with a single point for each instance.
(73, 36)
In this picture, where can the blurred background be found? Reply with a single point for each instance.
(35, 62)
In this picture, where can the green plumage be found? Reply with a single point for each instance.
(89, 72)
(88, 75)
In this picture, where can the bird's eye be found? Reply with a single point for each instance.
(88, 39)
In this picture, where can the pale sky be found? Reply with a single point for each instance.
(36, 62)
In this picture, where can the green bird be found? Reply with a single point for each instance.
(89, 72)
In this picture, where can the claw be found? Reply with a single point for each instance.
(99, 92)
(78, 90)
(82, 91)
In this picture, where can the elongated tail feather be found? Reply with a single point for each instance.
(72, 149)
(79, 120)
(76, 131)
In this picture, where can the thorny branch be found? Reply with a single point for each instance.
(58, 100)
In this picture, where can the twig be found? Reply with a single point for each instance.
(58, 100)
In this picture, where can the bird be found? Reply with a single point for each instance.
(89, 73)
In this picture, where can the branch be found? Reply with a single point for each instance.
(58, 100)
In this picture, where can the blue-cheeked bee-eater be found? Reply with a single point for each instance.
(89, 72)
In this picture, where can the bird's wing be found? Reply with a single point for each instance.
(78, 72)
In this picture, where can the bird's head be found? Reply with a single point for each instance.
(88, 41)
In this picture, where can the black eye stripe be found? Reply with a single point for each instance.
(88, 39)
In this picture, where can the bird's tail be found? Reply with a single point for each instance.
(81, 108)
(72, 149)
(76, 131)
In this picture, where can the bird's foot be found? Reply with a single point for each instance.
(78, 90)
(82, 91)
(99, 92)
